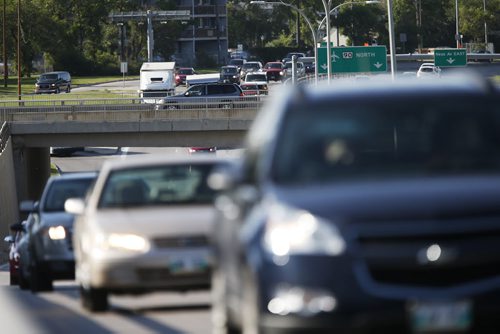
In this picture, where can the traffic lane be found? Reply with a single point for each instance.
(60, 310)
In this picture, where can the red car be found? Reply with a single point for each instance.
(208, 149)
(180, 76)
(273, 70)
(18, 231)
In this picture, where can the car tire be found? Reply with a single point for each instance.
(58, 90)
(40, 279)
(24, 284)
(171, 107)
(68, 89)
(13, 279)
(94, 300)
(221, 322)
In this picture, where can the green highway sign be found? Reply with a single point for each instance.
(354, 59)
(450, 57)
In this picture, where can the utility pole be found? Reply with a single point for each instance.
(418, 13)
(4, 42)
(19, 49)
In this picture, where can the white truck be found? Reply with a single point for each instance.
(202, 78)
(157, 80)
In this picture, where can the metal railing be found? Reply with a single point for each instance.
(111, 110)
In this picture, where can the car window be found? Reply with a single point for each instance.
(381, 140)
(215, 89)
(196, 90)
(61, 190)
(157, 185)
(48, 77)
(228, 89)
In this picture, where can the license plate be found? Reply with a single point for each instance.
(186, 265)
(440, 316)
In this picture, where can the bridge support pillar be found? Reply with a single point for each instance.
(33, 170)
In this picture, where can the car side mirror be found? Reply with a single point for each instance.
(75, 206)
(187, 93)
(9, 239)
(28, 206)
(17, 227)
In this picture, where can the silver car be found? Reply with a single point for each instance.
(46, 249)
(144, 228)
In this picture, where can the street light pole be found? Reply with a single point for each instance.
(457, 33)
(5, 67)
(392, 42)
(485, 26)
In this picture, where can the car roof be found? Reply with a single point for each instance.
(158, 160)
(75, 176)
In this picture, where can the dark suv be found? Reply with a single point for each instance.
(209, 95)
(366, 206)
(53, 82)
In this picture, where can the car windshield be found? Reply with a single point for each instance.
(157, 185)
(236, 62)
(256, 77)
(185, 71)
(46, 77)
(388, 140)
(274, 65)
(253, 66)
(63, 189)
(229, 70)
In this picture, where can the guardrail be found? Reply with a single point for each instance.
(111, 110)
(4, 135)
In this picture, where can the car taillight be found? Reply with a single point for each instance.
(177, 77)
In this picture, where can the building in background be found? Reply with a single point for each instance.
(205, 42)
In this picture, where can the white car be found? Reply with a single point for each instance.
(428, 70)
(144, 227)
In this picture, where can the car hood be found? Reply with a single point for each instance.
(256, 83)
(57, 218)
(400, 199)
(157, 221)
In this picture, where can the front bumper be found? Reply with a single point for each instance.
(156, 270)
(361, 303)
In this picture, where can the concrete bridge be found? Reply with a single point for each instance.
(30, 128)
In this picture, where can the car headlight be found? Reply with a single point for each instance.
(52, 85)
(57, 232)
(126, 242)
(291, 231)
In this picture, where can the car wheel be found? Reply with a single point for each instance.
(171, 107)
(68, 89)
(24, 284)
(14, 280)
(94, 300)
(40, 279)
(221, 322)
(58, 90)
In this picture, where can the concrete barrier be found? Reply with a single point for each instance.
(9, 213)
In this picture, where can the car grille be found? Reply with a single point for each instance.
(181, 241)
(402, 255)
(164, 274)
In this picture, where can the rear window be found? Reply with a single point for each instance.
(343, 141)
(61, 190)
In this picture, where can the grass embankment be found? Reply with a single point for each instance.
(28, 86)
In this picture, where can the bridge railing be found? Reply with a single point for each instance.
(126, 110)
(4, 135)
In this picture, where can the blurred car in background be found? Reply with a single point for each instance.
(18, 230)
(428, 70)
(209, 95)
(379, 214)
(46, 248)
(273, 70)
(230, 74)
(238, 62)
(309, 64)
(181, 73)
(204, 149)
(250, 67)
(144, 227)
(286, 73)
(255, 84)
